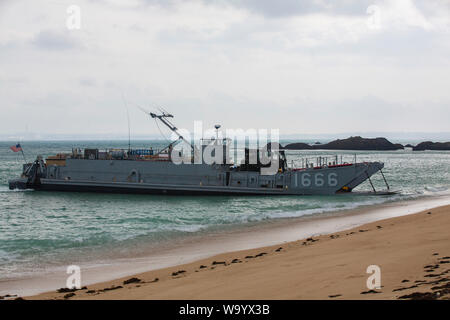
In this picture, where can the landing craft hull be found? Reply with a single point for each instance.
(165, 177)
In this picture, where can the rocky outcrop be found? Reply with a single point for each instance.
(298, 146)
(358, 143)
(352, 143)
(429, 145)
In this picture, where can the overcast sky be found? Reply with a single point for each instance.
(314, 66)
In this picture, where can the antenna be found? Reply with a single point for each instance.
(129, 131)
(128, 119)
(217, 126)
(164, 119)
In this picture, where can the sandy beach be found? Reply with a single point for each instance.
(412, 252)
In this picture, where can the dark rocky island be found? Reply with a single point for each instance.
(435, 146)
(352, 143)
(363, 144)
(298, 146)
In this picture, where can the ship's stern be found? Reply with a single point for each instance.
(20, 183)
(30, 177)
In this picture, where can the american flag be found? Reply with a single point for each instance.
(16, 148)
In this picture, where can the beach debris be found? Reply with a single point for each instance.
(403, 281)
(335, 296)
(260, 254)
(434, 267)
(214, 263)
(132, 280)
(112, 288)
(370, 291)
(439, 281)
(363, 230)
(63, 290)
(435, 254)
(420, 296)
(379, 227)
(406, 288)
(154, 280)
(445, 286)
(69, 295)
(431, 275)
(90, 291)
(309, 240)
(203, 267)
(249, 257)
(236, 261)
(66, 290)
(279, 249)
(11, 296)
(174, 274)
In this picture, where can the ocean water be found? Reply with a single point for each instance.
(44, 230)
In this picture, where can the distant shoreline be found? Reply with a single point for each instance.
(397, 137)
(353, 143)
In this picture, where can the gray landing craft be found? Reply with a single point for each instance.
(149, 172)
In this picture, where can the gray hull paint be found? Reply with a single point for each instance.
(164, 177)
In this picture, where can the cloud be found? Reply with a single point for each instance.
(87, 82)
(286, 8)
(296, 64)
(279, 9)
(52, 40)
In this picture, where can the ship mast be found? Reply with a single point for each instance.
(164, 119)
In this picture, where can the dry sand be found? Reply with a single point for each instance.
(413, 253)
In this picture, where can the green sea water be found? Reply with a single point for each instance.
(41, 230)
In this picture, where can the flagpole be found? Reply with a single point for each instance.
(24, 159)
(23, 154)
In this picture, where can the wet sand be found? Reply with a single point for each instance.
(412, 251)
